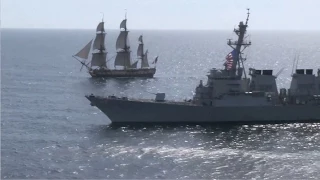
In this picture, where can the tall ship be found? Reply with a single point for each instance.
(229, 96)
(124, 64)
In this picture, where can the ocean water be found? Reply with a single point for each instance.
(49, 129)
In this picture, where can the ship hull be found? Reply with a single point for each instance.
(128, 112)
(128, 73)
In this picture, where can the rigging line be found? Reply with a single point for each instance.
(244, 70)
(294, 61)
(279, 72)
(111, 58)
(248, 53)
(298, 57)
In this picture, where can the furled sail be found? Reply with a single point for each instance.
(123, 59)
(123, 24)
(144, 62)
(84, 52)
(99, 59)
(100, 27)
(122, 41)
(99, 42)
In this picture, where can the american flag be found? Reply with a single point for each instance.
(229, 60)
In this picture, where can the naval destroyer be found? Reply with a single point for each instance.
(124, 65)
(229, 96)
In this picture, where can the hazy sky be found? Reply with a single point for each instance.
(161, 14)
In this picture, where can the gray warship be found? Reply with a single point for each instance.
(229, 96)
(124, 65)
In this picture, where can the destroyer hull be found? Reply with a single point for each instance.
(148, 73)
(127, 112)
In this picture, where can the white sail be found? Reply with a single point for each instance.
(122, 47)
(99, 42)
(84, 52)
(134, 65)
(123, 24)
(140, 39)
(140, 51)
(144, 62)
(99, 59)
(122, 41)
(100, 27)
(122, 59)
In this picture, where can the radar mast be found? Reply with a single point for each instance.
(239, 46)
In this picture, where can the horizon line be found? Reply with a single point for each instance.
(41, 28)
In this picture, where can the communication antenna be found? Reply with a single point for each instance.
(248, 16)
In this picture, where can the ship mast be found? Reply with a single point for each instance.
(99, 58)
(140, 45)
(101, 32)
(141, 55)
(123, 48)
(125, 29)
(237, 45)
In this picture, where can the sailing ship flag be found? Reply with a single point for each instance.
(155, 60)
(229, 59)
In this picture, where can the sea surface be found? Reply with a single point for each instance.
(49, 129)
